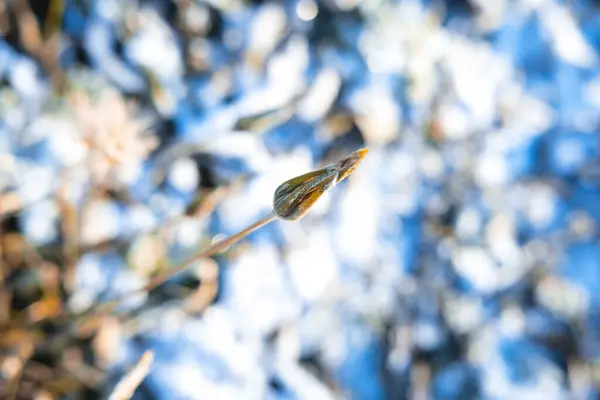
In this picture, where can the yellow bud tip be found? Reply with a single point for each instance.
(349, 163)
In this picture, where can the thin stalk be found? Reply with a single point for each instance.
(158, 280)
(212, 250)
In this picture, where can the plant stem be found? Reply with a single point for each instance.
(111, 305)
(212, 250)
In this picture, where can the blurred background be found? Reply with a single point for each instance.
(461, 259)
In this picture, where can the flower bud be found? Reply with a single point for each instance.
(294, 197)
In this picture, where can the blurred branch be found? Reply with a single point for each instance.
(43, 50)
(13, 367)
(70, 231)
(4, 18)
(208, 289)
(54, 18)
(127, 386)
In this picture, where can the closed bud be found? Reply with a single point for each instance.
(294, 197)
